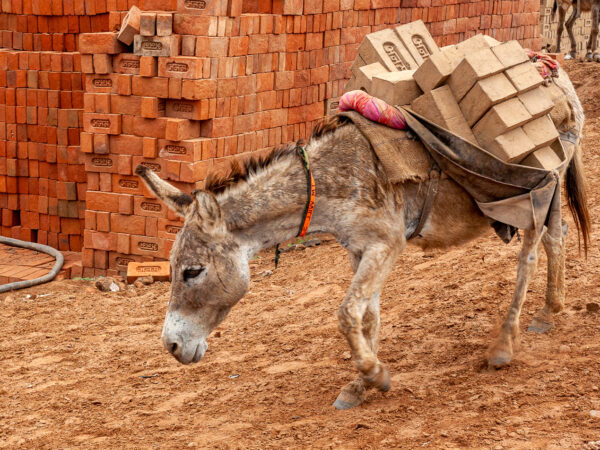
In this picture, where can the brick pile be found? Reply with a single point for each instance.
(257, 74)
(487, 92)
(42, 176)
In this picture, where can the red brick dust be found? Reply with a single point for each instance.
(85, 368)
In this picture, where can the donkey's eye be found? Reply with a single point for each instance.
(188, 274)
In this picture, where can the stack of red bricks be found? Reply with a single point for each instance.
(241, 77)
(42, 176)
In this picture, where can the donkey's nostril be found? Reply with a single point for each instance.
(173, 347)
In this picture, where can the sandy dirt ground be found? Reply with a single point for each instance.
(82, 368)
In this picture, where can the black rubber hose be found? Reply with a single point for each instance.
(40, 248)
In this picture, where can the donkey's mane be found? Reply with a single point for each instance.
(241, 171)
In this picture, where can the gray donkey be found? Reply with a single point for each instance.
(578, 5)
(255, 207)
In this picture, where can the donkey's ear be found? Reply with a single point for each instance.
(175, 199)
(209, 212)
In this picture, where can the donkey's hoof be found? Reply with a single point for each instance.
(597, 57)
(353, 394)
(499, 359)
(539, 326)
(589, 57)
(381, 380)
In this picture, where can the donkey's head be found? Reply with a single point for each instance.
(210, 271)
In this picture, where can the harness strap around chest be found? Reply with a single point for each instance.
(311, 193)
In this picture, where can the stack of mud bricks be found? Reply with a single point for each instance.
(549, 25)
(487, 92)
(242, 77)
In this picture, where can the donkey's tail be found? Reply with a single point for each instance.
(576, 185)
(554, 9)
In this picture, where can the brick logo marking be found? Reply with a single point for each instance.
(176, 149)
(183, 107)
(177, 67)
(129, 64)
(421, 46)
(148, 269)
(392, 51)
(152, 45)
(129, 184)
(103, 82)
(172, 229)
(152, 207)
(100, 123)
(196, 4)
(152, 166)
(123, 261)
(102, 162)
(149, 246)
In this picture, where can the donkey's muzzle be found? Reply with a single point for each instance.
(180, 341)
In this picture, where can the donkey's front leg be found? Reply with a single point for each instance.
(502, 351)
(359, 321)
(353, 394)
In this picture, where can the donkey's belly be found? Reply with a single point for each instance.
(454, 218)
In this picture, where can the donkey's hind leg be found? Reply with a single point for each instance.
(502, 351)
(554, 241)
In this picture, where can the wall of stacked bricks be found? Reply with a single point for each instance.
(548, 27)
(258, 74)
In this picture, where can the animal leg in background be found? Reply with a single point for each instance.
(502, 351)
(593, 42)
(361, 306)
(562, 12)
(570, 23)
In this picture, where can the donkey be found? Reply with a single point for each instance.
(578, 5)
(263, 203)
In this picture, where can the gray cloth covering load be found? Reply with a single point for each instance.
(513, 195)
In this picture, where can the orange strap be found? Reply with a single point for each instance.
(312, 193)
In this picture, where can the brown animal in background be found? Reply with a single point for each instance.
(234, 218)
(578, 6)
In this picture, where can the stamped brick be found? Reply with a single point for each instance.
(159, 270)
(417, 40)
(149, 208)
(386, 48)
(126, 63)
(156, 45)
(186, 109)
(102, 123)
(101, 83)
(185, 150)
(202, 7)
(180, 67)
(101, 163)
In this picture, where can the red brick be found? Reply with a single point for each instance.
(92, 43)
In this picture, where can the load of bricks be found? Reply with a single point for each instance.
(487, 92)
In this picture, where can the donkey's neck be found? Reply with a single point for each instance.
(268, 207)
